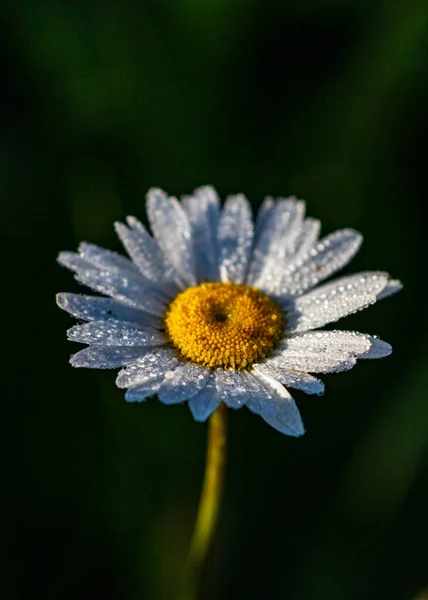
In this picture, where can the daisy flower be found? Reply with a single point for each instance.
(211, 307)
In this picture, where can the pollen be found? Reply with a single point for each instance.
(224, 325)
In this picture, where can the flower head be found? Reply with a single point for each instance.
(212, 308)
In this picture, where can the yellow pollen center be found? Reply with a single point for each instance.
(224, 325)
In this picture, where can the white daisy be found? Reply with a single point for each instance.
(212, 308)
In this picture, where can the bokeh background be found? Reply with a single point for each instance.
(323, 99)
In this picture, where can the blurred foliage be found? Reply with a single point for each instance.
(101, 100)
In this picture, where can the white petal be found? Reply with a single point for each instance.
(129, 289)
(290, 378)
(234, 387)
(393, 286)
(259, 399)
(348, 342)
(146, 254)
(277, 241)
(171, 228)
(91, 308)
(287, 417)
(235, 238)
(141, 392)
(307, 238)
(153, 365)
(303, 273)
(205, 402)
(287, 420)
(73, 261)
(237, 388)
(106, 357)
(182, 383)
(203, 211)
(263, 215)
(334, 300)
(315, 362)
(378, 349)
(105, 259)
(321, 351)
(94, 257)
(114, 333)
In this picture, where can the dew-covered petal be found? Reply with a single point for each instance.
(130, 289)
(259, 399)
(154, 364)
(235, 238)
(114, 333)
(125, 285)
(205, 402)
(147, 255)
(303, 273)
(334, 300)
(276, 241)
(316, 363)
(184, 382)
(392, 287)
(378, 349)
(321, 351)
(73, 261)
(203, 212)
(307, 237)
(171, 228)
(291, 378)
(106, 357)
(104, 259)
(263, 215)
(286, 418)
(97, 308)
(232, 387)
(141, 392)
(348, 342)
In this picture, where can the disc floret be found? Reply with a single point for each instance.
(224, 325)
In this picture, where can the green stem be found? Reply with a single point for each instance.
(209, 504)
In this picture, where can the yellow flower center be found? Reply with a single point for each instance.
(224, 325)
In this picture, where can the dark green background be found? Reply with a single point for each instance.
(101, 100)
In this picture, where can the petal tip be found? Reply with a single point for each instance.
(378, 349)
(205, 189)
(392, 287)
(118, 226)
(61, 300)
(133, 222)
(199, 417)
(71, 333)
(156, 193)
(74, 361)
(64, 256)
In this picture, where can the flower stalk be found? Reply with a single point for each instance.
(209, 504)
